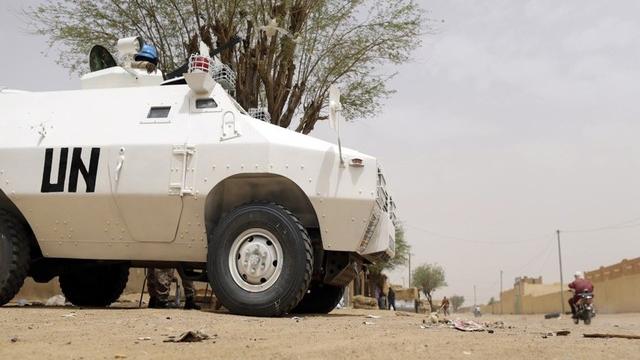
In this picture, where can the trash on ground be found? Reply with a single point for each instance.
(189, 336)
(146, 338)
(23, 302)
(467, 352)
(494, 325)
(610, 336)
(555, 315)
(467, 325)
(563, 333)
(373, 316)
(297, 318)
(69, 315)
(14, 339)
(369, 323)
(57, 300)
(403, 313)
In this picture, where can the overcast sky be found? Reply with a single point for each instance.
(515, 118)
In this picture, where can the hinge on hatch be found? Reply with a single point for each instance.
(230, 129)
(182, 170)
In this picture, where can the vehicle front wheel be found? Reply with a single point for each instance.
(319, 299)
(259, 260)
(94, 285)
(14, 256)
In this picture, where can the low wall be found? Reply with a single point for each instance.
(617, 290)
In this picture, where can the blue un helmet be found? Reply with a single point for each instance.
(147, 53)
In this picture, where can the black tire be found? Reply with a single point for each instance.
(14, 256)
(286, 289)
(587, 318)
(319, 299)
(94, 285)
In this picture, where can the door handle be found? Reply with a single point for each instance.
(120, 164)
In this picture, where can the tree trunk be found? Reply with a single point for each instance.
(429, 299)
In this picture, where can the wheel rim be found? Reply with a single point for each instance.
(255, 260)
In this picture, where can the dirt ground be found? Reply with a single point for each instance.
(124, 331)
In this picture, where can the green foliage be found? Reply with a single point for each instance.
(322, 42)
(456, 301)
(492, 301)
(402, 254)
(429, 277)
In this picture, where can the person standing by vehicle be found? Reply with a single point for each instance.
(159, 285)
(392, 299)
(579, 285)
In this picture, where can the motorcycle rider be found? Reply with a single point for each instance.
(579, 285)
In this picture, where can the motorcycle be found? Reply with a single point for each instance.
(584, 308)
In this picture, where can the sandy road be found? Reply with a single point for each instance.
(131, 333)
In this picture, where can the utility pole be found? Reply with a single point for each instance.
(561, 279)
(475, 303)
(501, 306)
(410, 285)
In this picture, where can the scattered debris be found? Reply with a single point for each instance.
(563, 333)
(490, 331)
(495, 325)
(369, 323)
(610, 336)
(146, 338)
(373, 316)
(555, 315)
(297, 318)
(119, 356)
(69, 315)
(23, 302)
(403, 313)
(57, 300)
(189, 336)
(14, 339)
(467, 325)
(467, 352)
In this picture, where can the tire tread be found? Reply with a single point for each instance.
(20, 256)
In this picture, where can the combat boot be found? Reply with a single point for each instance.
(156, 303)
(190, 304)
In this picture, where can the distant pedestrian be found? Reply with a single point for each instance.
(378, 294)
(445, 306)
(392, 299)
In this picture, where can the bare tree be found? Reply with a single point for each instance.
(291, 52)
(456, 302)
(429, 277)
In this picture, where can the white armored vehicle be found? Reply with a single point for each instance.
(135, 171)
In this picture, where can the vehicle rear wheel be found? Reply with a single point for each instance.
(587, 318)
(319, 299)
(259, 260)
(94, 285)
(14, 256)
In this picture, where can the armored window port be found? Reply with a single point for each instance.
(159, 112)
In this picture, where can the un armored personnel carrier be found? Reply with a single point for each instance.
(136, 171)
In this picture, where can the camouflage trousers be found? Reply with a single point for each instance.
(159, 283)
